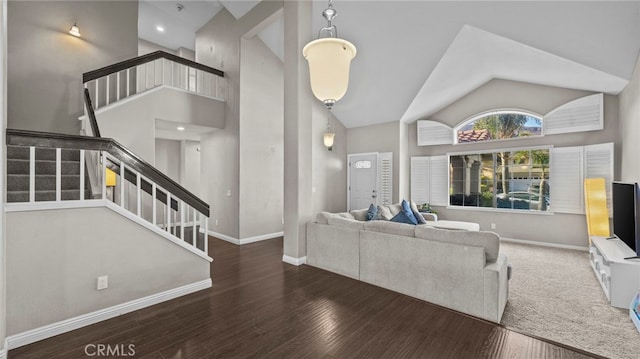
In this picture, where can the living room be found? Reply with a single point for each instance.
(417, 76)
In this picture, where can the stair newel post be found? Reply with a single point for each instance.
(58, 174)
(153, 203)
(162, 60)
(182, 209)
(82, 179)
(168, 211)
(138, 195)
(32, 174)
(122, 184)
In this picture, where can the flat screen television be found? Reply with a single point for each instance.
(625, 214)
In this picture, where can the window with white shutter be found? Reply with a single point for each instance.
(583, 114)
(429, 180)
(434, 133)
(566, 180)
(598, 163)
(385, 178)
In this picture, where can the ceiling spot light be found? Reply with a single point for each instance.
(180, 128)
(74, 30)
(160, 28)
(329, 60)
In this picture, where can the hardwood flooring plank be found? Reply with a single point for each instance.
(260, 307)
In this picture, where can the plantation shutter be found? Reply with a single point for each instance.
(430, 180)
(566, 180)
(440, 180)
(598, 163)
(385, 178)
(583, 114)
(434, 133)
(420, 179)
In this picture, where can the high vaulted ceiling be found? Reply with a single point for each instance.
(418, 57)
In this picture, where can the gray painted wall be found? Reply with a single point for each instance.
(64, 255)
(383, 137)
(132, 123)
(629, 101)
(539, 99)
(190, 166)
(168, 159)
(218, 45)
(46, 63)
(261, 190)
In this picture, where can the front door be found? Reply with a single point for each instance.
(362, 180)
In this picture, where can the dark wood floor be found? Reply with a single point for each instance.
(260, 307)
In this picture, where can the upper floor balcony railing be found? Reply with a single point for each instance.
(116, 82)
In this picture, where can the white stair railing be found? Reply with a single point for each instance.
(119, 81)
(132, 191)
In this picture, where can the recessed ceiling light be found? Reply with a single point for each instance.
(180, 128)
(160, 28)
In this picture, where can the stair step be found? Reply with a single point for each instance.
(66, 195)
(43, 182)
(22, 152)
(43, 167)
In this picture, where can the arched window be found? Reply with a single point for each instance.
(499, 125)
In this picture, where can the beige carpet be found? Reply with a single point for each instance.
(554, 294)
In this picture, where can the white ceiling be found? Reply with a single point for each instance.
(417, 57)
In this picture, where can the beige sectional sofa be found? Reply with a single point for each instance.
(458, 269)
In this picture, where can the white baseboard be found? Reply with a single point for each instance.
(248, 240)
(48, 331)
(294, 261)
(545, 244)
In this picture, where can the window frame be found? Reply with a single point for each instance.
(493, 151)
(497, 112)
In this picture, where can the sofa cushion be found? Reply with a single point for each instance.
(359, 214)
(346, 215)
(417, 214)
(383, 213)
(488, 240)
(399, 229)
(372, 212)
(323, 217)
(394, 208)
(348, 223)
(402, 217)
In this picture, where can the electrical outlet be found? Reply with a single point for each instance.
(493, 226)
(282, 220)
(216, 222)
(103, 282)
(228, 193)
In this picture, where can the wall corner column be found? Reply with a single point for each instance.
(297, 131)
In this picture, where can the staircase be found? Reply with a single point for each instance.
(18, 170)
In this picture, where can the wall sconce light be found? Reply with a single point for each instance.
(328, 137)
(329, 59)
(74, 30)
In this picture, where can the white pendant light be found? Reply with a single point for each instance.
(328, 137)
(329, 60)
(74, 30)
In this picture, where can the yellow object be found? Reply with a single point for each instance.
(110, 178)
(595, 195)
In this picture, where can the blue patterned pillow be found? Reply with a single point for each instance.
(402, 217)
(372, 213)
(406, 209)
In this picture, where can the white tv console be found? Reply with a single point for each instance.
(619, 277)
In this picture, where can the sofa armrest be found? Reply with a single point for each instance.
(496, 289)
(429, 216)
